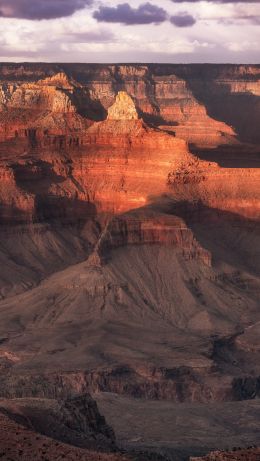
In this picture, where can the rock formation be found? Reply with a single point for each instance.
(75, 420)
(123, 108)
(37, 109)
(36, 429)
(129, 223)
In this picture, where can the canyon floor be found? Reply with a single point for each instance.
(130, 262)
(179, 431)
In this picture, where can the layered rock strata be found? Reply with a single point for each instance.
(95, 176)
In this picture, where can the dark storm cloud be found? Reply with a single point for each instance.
(41, 9)
(183, 20)
(125, 14)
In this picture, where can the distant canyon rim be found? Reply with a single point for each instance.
(129, 222)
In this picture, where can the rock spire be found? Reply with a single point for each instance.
(123, 108)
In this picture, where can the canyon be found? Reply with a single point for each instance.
(129, 223)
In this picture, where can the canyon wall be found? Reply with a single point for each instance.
(80, 143)
(208, 105)
(53, 124)
(129, 202)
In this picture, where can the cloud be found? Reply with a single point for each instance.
(41, 9)
(241, 46)
(99, 36)
(217, 1)
(240, 19)
(183, 20)
(254, 20)
(125, 14)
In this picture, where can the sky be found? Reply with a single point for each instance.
(170, 31)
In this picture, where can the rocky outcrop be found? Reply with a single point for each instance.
(81, 414)
(150, 228)
(36, 429)
(42, 109)
(74, 420)
(123, 108)
(50, 94)
(16, 205)
(124, 128)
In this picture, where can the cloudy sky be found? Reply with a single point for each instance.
(130, 30)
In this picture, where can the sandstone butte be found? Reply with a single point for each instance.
(123, 108)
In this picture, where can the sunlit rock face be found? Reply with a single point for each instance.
(40, 109)
(201, 104)
(123, 108)
(132, 162)
(122, 161)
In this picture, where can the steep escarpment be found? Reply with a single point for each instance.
(36, 429)
(149, 227)
(231, 94)
(74, 420)
(16, 205)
